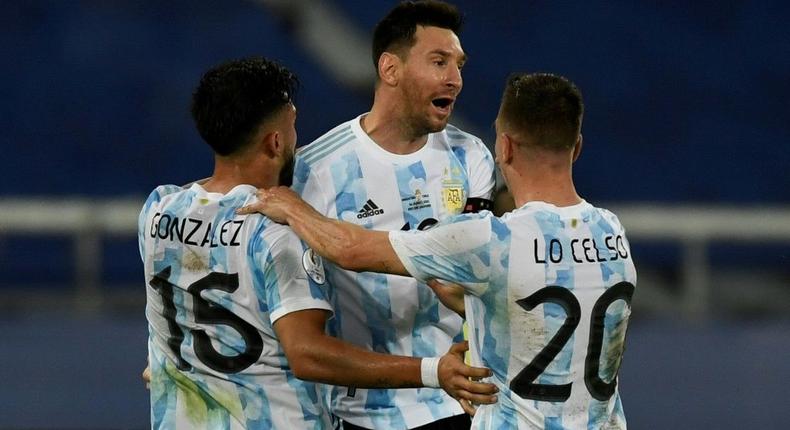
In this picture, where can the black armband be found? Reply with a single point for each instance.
(477, 204)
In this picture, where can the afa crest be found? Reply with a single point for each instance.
(453, 193)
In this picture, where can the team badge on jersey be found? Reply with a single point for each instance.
(452, 192)
(314, 266)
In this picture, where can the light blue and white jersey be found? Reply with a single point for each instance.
(346, 175)
(548, 292)
(216, 283)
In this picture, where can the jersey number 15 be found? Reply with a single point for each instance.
(207, 312)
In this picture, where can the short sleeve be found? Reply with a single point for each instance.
(294, 278)
(482, 172)
(455, 250)
(307, 185)
(151, 202)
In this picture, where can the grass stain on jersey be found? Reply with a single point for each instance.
(200, 406)
(613, 352)
(192, 261)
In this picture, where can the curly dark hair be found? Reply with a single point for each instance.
(395, 32)
(234, 98)
(547, 107)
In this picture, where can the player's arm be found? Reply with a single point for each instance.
(482, 179)
(313, 355)
(348, 245)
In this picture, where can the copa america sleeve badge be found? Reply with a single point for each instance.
(314, 266)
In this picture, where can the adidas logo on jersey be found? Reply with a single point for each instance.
(370, 209)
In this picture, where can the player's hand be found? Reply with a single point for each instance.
(462, 382)
(147, 377)
(276, 203)
(451, 295)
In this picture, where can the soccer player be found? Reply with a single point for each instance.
(399, 167)
(236, 306)
(548, 286)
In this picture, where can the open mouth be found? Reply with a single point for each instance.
(442, 102)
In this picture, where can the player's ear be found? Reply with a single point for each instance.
(577, 149)
(508, 147)
(271, 144)
(389, 67)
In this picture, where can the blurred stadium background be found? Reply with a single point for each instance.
(685, 136)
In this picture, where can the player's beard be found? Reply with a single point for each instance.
(287, 172)
(416, 124)
(417, 115)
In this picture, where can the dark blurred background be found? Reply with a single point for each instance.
(685, 130)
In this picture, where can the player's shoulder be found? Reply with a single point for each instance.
(475, 221)
(608, 216)
(160, 193)
(538, 216)
(498, 225)
(547, 215)
(164, 190)
(484, 215)
(279, 244)
(266, 234)
(469, 148)
(457, 137)
(469, 228)
(327, 144)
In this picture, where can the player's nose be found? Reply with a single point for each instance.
(453, 78)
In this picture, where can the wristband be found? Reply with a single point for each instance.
(429, 372)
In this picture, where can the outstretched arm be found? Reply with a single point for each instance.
(350, 246)
(314, 355)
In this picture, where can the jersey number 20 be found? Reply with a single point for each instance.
(524, 383)
(208, 313)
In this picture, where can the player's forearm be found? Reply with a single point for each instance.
(313, 355)
(348, 245)
(330, 238)
(335, 362)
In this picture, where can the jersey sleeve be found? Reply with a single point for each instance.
(307, 184)
(455, 250)
(482, 172)
(294, 278)
(142, 219)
